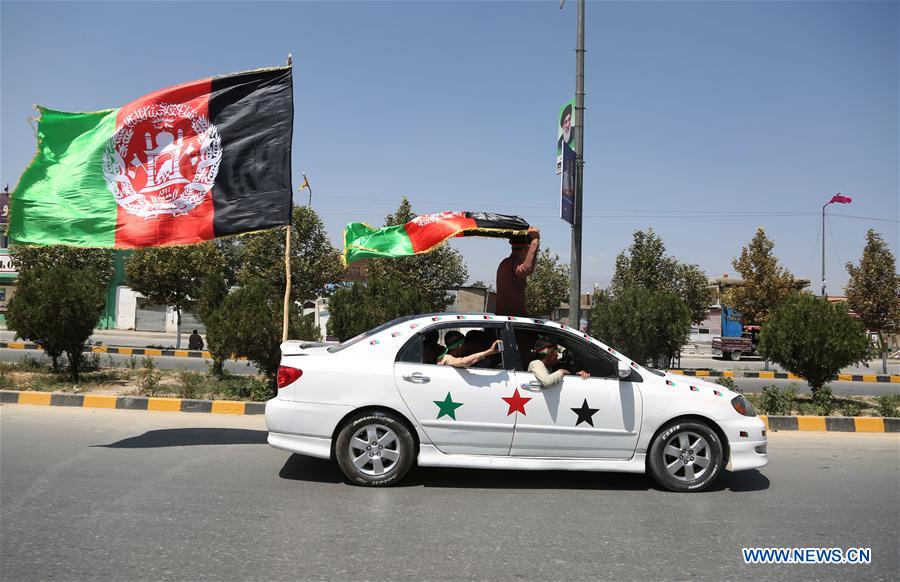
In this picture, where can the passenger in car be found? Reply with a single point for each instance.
(546, 356)
(431, 348)
(455, 353)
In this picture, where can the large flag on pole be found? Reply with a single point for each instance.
(424, 233)
(178, 166)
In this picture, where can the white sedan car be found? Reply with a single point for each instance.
(379, 403)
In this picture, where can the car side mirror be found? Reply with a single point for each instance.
(624, 370)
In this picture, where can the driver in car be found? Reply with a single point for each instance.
(546, 357)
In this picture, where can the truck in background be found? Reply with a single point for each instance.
(737, 341)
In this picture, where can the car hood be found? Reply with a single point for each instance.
(699, 382)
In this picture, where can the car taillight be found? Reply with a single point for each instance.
(288, 375)
(743, 406)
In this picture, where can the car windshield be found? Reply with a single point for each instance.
(370, 333)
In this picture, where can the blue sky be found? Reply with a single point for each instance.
(705, 120)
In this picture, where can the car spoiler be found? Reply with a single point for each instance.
(297, 347)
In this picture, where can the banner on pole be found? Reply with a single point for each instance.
(565, 161)
(564, 131)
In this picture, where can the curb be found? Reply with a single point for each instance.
(131, 402)
(891, 379)
(773, 423)
(832, 423)
(118, 350)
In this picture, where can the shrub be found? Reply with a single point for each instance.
(150, 378)
(755, 401)
(807, 409)
(87, 364)
(850, 408)
(813, 339)
(29, 364)
(190, 384)
(248, 323)
(57, 307)
(888, 405)
(775, 401)
(361, 307)
(259, 390)
(647, 326)
(823, 400)
(728, 383)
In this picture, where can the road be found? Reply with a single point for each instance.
(129, 495)
(120, 361)
(755, 365)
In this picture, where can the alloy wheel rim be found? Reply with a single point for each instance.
(374, 449)
(687, 456)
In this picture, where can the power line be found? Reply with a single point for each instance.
(634, 212)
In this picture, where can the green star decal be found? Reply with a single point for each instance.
(447, 407)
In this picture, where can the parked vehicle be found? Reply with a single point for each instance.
(735, 348)
(378, 404)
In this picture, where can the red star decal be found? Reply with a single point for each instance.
(516, 403)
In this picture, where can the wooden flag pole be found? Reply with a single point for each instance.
(287, 282)
(287, 259)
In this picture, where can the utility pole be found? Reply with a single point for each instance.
(578, 129)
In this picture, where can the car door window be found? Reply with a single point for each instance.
(576, 355)
(429, 346)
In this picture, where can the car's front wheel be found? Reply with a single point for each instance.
(685, 456)
(374, 449)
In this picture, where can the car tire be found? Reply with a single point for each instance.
(674, 457)
(736, 356)
(381, 464)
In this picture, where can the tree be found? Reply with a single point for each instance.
(211, 294)
(361, 307)
(766, 283)
(432, 273)
(248, 323)
(315, 263)
(57, 307)
(812, 338)
(172, 275)
(548, 285)
(873, 292)
(645, 325)
(646, 265)
(97, 262)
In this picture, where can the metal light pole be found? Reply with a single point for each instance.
(823, 247)
(578, 131)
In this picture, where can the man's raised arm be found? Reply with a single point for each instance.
(526, 267)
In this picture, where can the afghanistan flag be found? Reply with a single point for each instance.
(179, 166)
(424, 233)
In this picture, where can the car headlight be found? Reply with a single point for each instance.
(743, 406)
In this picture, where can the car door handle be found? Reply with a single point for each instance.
(417, 378)
(533, 385)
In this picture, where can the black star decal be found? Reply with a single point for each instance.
(585, 413)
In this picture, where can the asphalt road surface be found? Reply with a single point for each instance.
(756, 364)
(165, 362)
(129, 495)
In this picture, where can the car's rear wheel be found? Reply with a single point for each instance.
(736, 356)
(685, 456)
(374, 449)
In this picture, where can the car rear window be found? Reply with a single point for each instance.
(367, 334)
